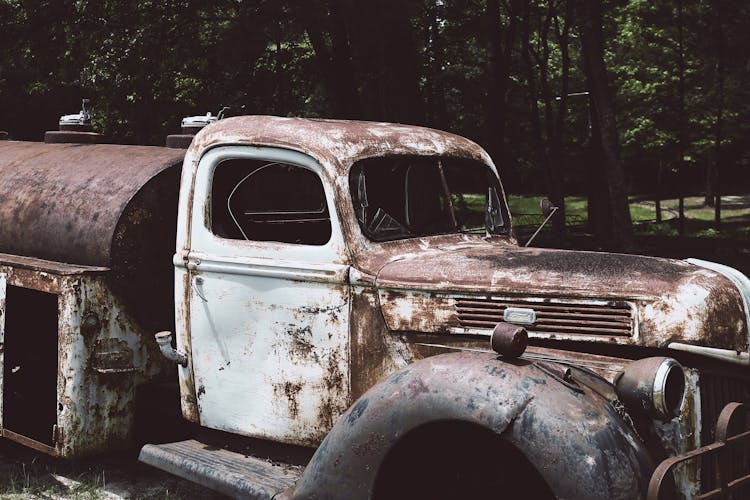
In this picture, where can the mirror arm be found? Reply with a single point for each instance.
(554, 209)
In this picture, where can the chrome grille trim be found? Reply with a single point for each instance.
(608, 318)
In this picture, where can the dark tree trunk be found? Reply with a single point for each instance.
(384, 52)
(279, 70)
(499, 43)
(659, 178)
(557, 128)
(346, 85)
(434, 43)
(528, 66)
(554, 149)
(598, 208)
(592, 44)
(548, 137)
(681, 117)
(335, 62)
(712, 175)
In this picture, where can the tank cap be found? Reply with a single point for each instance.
(198, 121)
(82, 118)
(191, 125)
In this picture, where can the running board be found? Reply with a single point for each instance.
(230, 473)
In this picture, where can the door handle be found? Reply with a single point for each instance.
(197, 284)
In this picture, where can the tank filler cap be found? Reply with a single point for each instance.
(75, 122)
(199, 121)
(75, 128)
(191, 125)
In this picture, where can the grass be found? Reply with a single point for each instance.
(25, 473)
(699, 219)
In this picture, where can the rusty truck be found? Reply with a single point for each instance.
(344, 311)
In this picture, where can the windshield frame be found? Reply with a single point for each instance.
(357, 183)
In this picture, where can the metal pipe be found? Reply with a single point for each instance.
(740, 358)
(164, 339)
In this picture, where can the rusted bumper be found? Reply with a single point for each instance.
(728, 455)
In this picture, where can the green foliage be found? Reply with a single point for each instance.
(146, 64)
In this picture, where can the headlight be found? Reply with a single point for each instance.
(655, 386)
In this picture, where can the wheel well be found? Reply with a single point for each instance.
(456, 459)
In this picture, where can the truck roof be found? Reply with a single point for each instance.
(336, 144)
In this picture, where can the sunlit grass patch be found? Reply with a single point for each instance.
(699, 219)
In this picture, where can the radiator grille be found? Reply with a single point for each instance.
(559, 318)
(715, 392)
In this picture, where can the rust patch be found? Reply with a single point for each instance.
(302, 346)
(34, 279)
(507, 269)
(289, 390)
(416, 387)
(374, 442)
(706, 309)
(724, 307)
(371, 359)
(63, 201)
(418, 312)
(331, 406)
(112, 356)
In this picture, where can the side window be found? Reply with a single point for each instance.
(268, 201)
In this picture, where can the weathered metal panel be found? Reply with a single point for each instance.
(99, 369)
(63, 202)
(376, 352)
(336, 143)
(183, 341)
(670, 301)
(103, 354)
(270, 356)
(233, 474)
(268, 323)
(490, 266)
(683, 434)
(574, 436)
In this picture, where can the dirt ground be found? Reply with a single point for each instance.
(26, 474)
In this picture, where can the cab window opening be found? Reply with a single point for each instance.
(258, 200)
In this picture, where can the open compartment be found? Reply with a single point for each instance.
(30, 364)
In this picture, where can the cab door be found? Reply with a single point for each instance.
(268, 296)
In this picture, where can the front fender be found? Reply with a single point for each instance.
(572, 435)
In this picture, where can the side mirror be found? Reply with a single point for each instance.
(547, 207)
(547, 210)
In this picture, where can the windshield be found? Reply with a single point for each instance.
(409, 196)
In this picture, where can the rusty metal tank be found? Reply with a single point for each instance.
(107, 205)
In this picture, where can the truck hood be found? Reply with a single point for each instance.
(671, 301)
(540, 271)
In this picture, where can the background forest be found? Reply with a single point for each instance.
(570, 97)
